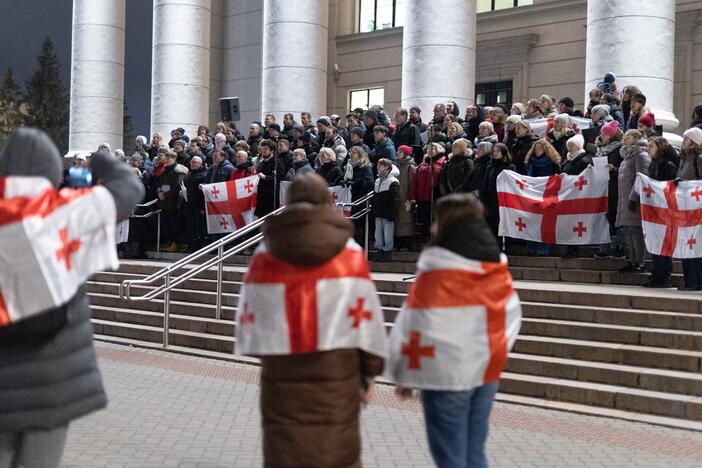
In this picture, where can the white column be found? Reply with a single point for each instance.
(180, 75)
(635, 40)
(97, 74)
(294, 64)
(438, 54)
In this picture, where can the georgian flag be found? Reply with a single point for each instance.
(457, 326)
(122, 232)
(286, 309)
(230, 205)
(541, 127)
(52, 241)
(559, 209)
(671, 216)
(340, 196)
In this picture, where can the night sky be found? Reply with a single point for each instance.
(24, 24)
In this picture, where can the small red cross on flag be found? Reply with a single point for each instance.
(691, 243)
(215, 192)
(696, 194)
(247, 317)
(359, 314)
(521, 225)
(63, 254)
(522, 184)
(230, 205)
(582, 182)
(579, 229)
(648, 190)
(415, 352)
(249, 186)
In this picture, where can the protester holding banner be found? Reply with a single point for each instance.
(609, 143)
(310, 311)
(244, 167)
(453, 334)
(522, 144)
(501, 160)
(635, 159)
(270, 171)
(48, 370)
(691, 169)
(559, 135)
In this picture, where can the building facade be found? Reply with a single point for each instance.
(329, 56)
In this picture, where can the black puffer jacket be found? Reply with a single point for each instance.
(519, 150)
(457, 175)
(48, 369)
(576, 165)
(488, 192)
(331, 173)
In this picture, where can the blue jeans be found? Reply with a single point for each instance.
(618, 242)
(662, 268)
(457, 425)
(692, 272)
(384, 234)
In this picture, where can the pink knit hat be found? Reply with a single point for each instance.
(648, 119)
(406, 149)
(610, 129)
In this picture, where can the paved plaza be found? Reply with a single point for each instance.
(171, 410)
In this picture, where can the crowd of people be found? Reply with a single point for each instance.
(409, 164)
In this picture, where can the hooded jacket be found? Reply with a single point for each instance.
(635, 159)
(310, 402)
(54, 350)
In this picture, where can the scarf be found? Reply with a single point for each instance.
(570, 157)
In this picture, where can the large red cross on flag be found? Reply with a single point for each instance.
(288, 309)
(559, 209)
(671, 216)
(230, 205)
(457, 326)
(52, 241)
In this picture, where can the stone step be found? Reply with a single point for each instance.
(661, 380)
(610, 396)
(654, 337)
(613, 353)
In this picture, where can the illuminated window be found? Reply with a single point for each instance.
(380, 14)
(492, 5)
(364, 98)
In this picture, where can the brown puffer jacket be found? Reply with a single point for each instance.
(310, 403)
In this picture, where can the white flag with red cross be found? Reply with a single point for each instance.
(230, 205)
(122, 231)
(341, 197)
(457, 326)
(559, 209)
(671, 216)
(286, 309)
(52, 241)
(541, 127)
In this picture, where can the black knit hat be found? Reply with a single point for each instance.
(567, 101)
(358, 131)
(640, 98)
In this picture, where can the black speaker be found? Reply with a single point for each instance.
(229, 109)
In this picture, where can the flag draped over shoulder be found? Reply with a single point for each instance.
(460, 320)
(671, 216)
(559, 209)
(52, 241)
(286, 309)
(230, 205)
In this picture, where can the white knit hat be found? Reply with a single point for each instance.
(577, 140)
(515, 119)
(694, 134)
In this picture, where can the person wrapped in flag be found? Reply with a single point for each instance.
(53, 240)
(452, 336)
(309, 309)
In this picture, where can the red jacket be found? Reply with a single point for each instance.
(425, 180)
(240, 172)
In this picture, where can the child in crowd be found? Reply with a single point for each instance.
(386, 207)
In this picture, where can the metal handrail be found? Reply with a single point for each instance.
(148, 215)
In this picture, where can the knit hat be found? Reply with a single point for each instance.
(406, 149)
(609, 78)
(514, 119)
(324, 120)
(358, 131)
(640, 98)
(563, 118)
(610, 129)
(30, 152)
(567, 101)
(486, 146)
(524, 123)
(694, 134)
(648, 119)
(601, 109)
(577, 140)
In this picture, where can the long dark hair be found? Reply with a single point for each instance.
(506, 155)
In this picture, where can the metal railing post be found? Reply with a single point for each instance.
(158, 232)
(365, 244)
(220, 268)
(166, 310)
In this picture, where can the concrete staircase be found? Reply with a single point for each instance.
(591, 340)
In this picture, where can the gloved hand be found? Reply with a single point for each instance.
(676, 181)
(633, 205)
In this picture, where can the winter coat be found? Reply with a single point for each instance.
(559, 141)
(267, 192)
(243, 171)
(183, 159)
(169, 183)
(426, 180)
(541, 166)
(611, 151)
(362, 182)
(331, 173)
(386, 197)
(286, 160)
(456, 175)
(490, 139)
(662, 168)
(253, 142)
(192, 181)
(48, 368)
(300, 167)
(499, 131)
(383, 149)
(576, 165)
(479, 174)
(310, 403)
(220, 173)
(617, 114)
(338, 145)
(229, 155)
(488, 192)
(404, 226)
(690, 166)
(519, 150)
(406, 134)
(635, 159)
(471, 126)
